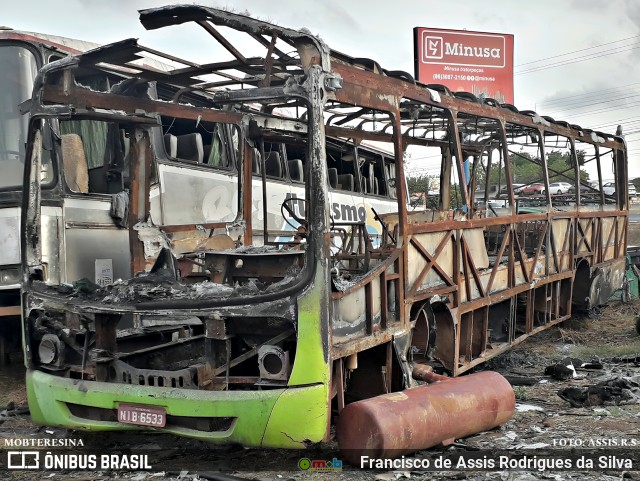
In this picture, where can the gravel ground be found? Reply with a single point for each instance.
(545, 427)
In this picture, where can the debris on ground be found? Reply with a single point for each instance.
(12, 410)
(543, 421)
(617, 390)
(564, 369)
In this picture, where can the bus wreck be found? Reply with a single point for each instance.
(21, 54)
(252, 266)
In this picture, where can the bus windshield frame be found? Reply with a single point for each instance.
(20, 65)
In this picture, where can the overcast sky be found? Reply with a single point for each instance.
(596, 85)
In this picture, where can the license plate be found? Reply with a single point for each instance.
(142, 415)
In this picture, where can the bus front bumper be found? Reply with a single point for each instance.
(291, 417)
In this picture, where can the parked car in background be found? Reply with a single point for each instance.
(632, 190)
(559, 187)
(537, 188)
(610, 188)
(516, 189)
(583, 189)
(492, 194)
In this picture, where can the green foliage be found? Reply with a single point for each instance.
(419, 188)
(521, 393)
(525, 169)
(421, 184)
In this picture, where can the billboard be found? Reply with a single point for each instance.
(476, 62)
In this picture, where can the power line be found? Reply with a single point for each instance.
(604, 110)
(578, 59)
(597, 93)
(589, 97)
(582, 105)
(625, 126)
(576, 51)
(621, 121)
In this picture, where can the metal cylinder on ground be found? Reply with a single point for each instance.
(403, 422)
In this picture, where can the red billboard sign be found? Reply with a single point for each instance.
(476, 62)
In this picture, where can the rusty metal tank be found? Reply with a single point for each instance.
(403, 422)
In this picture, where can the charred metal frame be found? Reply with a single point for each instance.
(430, 274)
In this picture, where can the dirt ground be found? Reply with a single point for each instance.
(545, 426)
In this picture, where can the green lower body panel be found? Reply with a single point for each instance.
(290, 417)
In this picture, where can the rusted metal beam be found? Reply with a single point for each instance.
(222, 40)
(86, 98)
(141, 173)
(357, 80)
(268, 62)
(554, 250)
(106, 341)
(431, 260)
(189, 227)
(494, 270)
(437, 291)
(522, 257)
(338, 371)
(384, 301)
(393, 255)
(538, 250)
(510, 292)
(465, 269)
(473, 268)
(368, 305)
(423, 251)
(361, 344)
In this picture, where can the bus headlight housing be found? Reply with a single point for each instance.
(51, 350)
(273, 363)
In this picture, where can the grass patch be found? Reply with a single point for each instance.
(606, 350)
(13, 386)
(521, 393)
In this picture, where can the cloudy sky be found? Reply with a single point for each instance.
(576, 60)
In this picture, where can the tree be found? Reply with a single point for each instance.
(525, 169)
(419, 188)
(421, 184)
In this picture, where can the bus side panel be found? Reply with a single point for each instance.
(10, 240)
(97, 249)
(196, 196)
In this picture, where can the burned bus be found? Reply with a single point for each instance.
(21, 55)
(253, 263)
